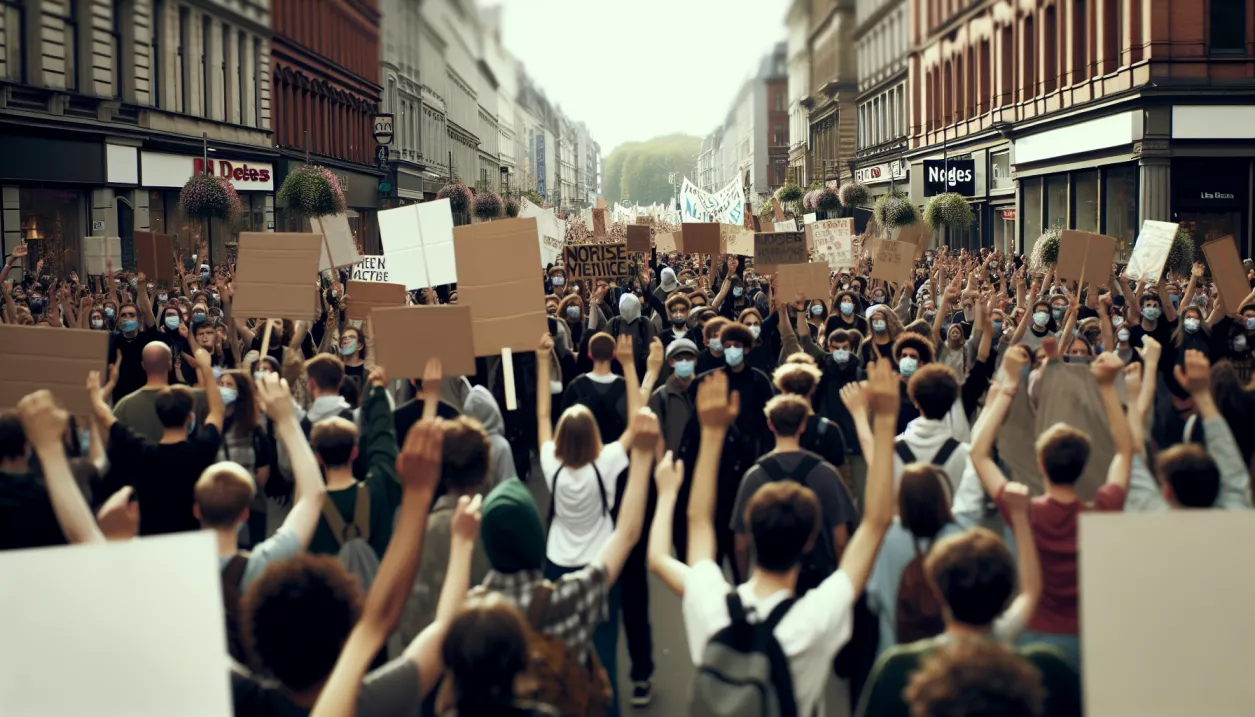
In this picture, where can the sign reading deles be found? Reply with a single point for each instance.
(173, 170)
(955, 175)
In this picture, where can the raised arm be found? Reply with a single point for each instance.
(44, 424)
(419, 466)
(854, 396)
(716, 410)
(1196, 273)
(1235, 480)
(1169, 311)
(627, 529)
(310, 490)
(1017, 500)
(653, 368)
(544, 427)
(627, 360)
(668, 477)
(1105, 369)
(205, 370)
(1001, 393)
(144, 301)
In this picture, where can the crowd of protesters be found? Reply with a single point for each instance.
(851, 486)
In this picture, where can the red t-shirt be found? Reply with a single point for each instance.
(1054, 530)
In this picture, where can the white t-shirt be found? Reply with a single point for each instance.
(580, 526)
(815, 628)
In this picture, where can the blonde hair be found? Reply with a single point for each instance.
(577, 440)
(223, 491)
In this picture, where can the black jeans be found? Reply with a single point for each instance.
(635, 582)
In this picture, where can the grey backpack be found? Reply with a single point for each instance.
(744, 671)
(356, 554)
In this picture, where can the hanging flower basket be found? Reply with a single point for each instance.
(808, 200)
(1181, 253)
(487, 206)
(827, 200)
(853, 194)
(895, 210)
(949, 210)
(790, 192)
(458, 195)
(511, 207)
(311, 190)
(206, 197)
(1046, 249)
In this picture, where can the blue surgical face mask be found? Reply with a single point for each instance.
(172, 323)
(879, 326)
(198, 317)
(734, 355)
(1041, 318)
(684, 368)
(557, 280)
(573, 312)
(349, 349)
(841, 355)
(1176, 300)
(817, 310)
(109, 311)
(228, 394)
(755, 330)
(847, 307)
(1057, 312)
(907, 365)
(1191, 325)
(715, 345)
(129, 325)
(1151, 313)
(997, 327)
(738, 292)
(1250, 323)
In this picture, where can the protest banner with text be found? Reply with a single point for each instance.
(590, 262)
(373, 267)
(775, 248)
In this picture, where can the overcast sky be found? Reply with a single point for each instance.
(639, 69)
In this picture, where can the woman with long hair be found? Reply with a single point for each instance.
(246, 441)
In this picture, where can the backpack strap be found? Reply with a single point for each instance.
(773, 470)
(823, 427)
(233, 573)
(778, 613)
(777, 473)
(361, 517)
(947, 450)
(553, 491)
(601, 488)
(781, 677)
(538, 608)
(361, 511)
(736, 609)
(904, 451)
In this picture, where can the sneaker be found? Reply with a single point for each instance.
(642, 693)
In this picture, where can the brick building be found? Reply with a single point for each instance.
(831, 100)
(1090, 114)
(325, 64)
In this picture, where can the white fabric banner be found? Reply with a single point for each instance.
(727, 206)
(550, 231)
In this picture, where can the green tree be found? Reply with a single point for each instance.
(638, 170)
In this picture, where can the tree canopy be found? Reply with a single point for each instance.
(637, 171)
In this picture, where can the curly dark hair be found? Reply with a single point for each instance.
(297, 616)
(976, 677)
(921, 344)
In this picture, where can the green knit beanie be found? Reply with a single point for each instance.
(510, 529)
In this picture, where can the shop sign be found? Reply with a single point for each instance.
(955, 175)
(381, 155)
(1000, 165)
(383, 124)
(881, 172)
(173, 170)
(1009, 214)
(1223, 196)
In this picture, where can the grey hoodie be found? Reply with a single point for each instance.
(481, 406)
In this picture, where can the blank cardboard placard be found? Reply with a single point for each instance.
(1166, 645)
(507, 304)
(736, 240)
(789, 225)
(810, 218)
(418, 241)
(773, 248)
(700, 238)
(1227, 271)
(917, 234)
(1082, 251)
(599, 222)
(638, 238)
(365, 296)
(96, 250)
(407, 336)
(1150, 252)
(665, 242)
(811, 280)
(339, 241)
(154, 255)
(590, 262)
(35, 358)
(373, 267)
(893, 261)
(601, 202)
(275, 275)
(134, 625)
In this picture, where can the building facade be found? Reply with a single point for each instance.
(1093, 115)
(325, 65)
(797, 53)
(881, 38)
(831, 100)
(109, 106)
(752, 143)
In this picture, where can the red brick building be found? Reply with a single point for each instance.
(1092, 114)
(325, 65)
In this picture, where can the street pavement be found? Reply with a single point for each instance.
(673, 668)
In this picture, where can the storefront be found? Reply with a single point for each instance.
(162, 177)
(1100, 200)
(1211, 198)
(883, 178)
(361, 195)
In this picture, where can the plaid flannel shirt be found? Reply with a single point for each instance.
(578, 605)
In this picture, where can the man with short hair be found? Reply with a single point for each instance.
(670, 401)
(137, 410)
(164, 473)
(127, 344)
(933, 390)
(600, 390)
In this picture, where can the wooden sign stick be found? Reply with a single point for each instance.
(265, 341)
(507, 372)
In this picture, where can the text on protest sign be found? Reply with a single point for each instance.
(780, 248)
(589, 262)
(833, 241)
(893, 261)
(373, 267)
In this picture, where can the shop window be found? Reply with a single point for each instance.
(1050, 43)
(1228, 26)
(1030, 198)
(1120, 207)
(53, 223)
(1085, 206)
(1056, 201)
(1080, 41)
(1028, 59)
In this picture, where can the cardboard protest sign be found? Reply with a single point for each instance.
(645, 219)
(638, 238)
(154, 255)
(917, 234)
(778, 212)
(736, 240)
(699, 238)
(418, 241)
(275, 275)
(150, 614)
(833, 241)
(599, 222)
(373, 267)
(1227, 270)
(810, 218)
(789, 225)
(1194, 666)
(365, 296)
(665, 242)
(590, 262)
(507, 305)
(1150, 252)
(811, 280)
(601, 202)
(34, 358)
(407, 336)
(96, 250)
(1085, 257)
(550, 234)
(893, 261)
(339, 241)
(772, 248)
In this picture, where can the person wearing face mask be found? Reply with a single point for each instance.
(557, 280)
(711, 357)
(847, 314)
(135, 330)
(677, 314)
(816, 318)
(1158, 319)
(354, 352)
(1235, 339)
(670, 402)
(735, 299)
(571, 311)
(763, 352)
(885, 329)
(97, 321)
(1036, 326)
(667, 285)
(630, 323)
(245, 441)
(1192, 333)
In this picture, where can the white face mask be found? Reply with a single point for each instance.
(755, 330)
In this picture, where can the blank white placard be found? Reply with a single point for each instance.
(132, 629)
(435, 225)
(403, 247)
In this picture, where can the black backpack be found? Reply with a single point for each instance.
(744, 671)
(821, 561)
